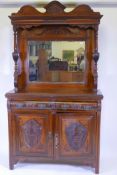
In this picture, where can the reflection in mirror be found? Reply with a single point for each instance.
(56, 61)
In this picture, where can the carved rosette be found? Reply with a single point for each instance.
(76, 135)
(32, 132)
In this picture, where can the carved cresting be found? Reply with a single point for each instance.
(52, 10)
(54, 7)
(76, 134)
(32, 131)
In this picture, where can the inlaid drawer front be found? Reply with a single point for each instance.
(54, 105)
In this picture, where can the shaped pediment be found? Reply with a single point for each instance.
(55, 13)
(83, 10)
(27, 10)
(54, 7)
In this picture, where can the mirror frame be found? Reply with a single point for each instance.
(81, 24)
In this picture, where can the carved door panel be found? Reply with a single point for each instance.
(34, 134)
(75, 135)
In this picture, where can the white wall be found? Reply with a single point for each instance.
(6, 71)
(107, 82)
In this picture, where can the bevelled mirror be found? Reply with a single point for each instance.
(56, 61)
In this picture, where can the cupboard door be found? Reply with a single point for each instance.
(33, 134)
(76, 135)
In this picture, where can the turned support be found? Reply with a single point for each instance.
(15, 55)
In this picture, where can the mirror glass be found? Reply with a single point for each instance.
(56, 61)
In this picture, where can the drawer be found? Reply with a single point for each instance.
(35, 105)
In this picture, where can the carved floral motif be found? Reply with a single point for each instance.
(76, 135)
(53, 30)
(32, 131)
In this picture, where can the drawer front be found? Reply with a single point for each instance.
(34, 105)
